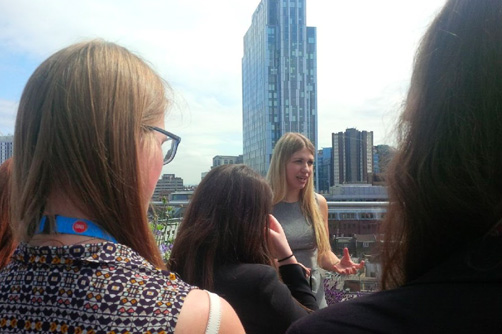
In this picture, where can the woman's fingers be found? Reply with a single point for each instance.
(346, 255)
(346, 266)
(307, 270)
(274, 224)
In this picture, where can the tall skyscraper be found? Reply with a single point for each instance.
(279, 79)
(352, 156)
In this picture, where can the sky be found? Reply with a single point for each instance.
(365, 51)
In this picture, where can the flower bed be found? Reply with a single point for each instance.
(333, 288)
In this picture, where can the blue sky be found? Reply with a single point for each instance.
(15, 68)
(365, 53)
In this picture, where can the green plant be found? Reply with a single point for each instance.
(163, 229)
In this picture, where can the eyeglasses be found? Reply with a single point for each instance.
(170, 145)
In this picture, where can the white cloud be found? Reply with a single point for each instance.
(365, 55)
(365, 52)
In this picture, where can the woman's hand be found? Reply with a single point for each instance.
(307, 270)
(278, 244)
(346, 266)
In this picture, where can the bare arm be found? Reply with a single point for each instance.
(195, 314)
(329, 261)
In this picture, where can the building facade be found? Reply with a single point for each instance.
(382, 155)
(6, 147)
(346, 219)
(279, 79)
(358, 193)
(166, 185)
(324, 170)
(219, 160)
(352, 156)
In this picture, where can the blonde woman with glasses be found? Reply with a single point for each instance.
(89, 148)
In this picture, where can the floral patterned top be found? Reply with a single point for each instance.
(94, 288)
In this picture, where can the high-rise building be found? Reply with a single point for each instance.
(352, 156)
(6, 147)
(279, 79)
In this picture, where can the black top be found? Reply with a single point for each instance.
(263, 303)
(461, 295)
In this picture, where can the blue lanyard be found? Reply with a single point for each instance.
(77, 226)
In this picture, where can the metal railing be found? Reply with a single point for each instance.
(165, 231)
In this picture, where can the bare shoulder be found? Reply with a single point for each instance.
(195, 314)
(321, 200)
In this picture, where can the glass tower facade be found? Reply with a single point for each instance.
(325, 163)
(279, 79)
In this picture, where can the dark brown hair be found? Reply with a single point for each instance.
(226, 222)
(7, 243)
(82, 119)
(445, 183)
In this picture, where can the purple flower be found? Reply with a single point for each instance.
(163, 248)
(333, 295)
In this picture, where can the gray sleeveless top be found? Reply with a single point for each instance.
(301, 238)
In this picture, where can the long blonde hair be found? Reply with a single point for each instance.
(81, 120)
(286, 146)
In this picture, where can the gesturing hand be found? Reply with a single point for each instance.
(346, 266)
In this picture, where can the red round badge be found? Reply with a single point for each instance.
(79, 227)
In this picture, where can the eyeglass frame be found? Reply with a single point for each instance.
(176, 140)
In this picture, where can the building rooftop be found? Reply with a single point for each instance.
(357, 192)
